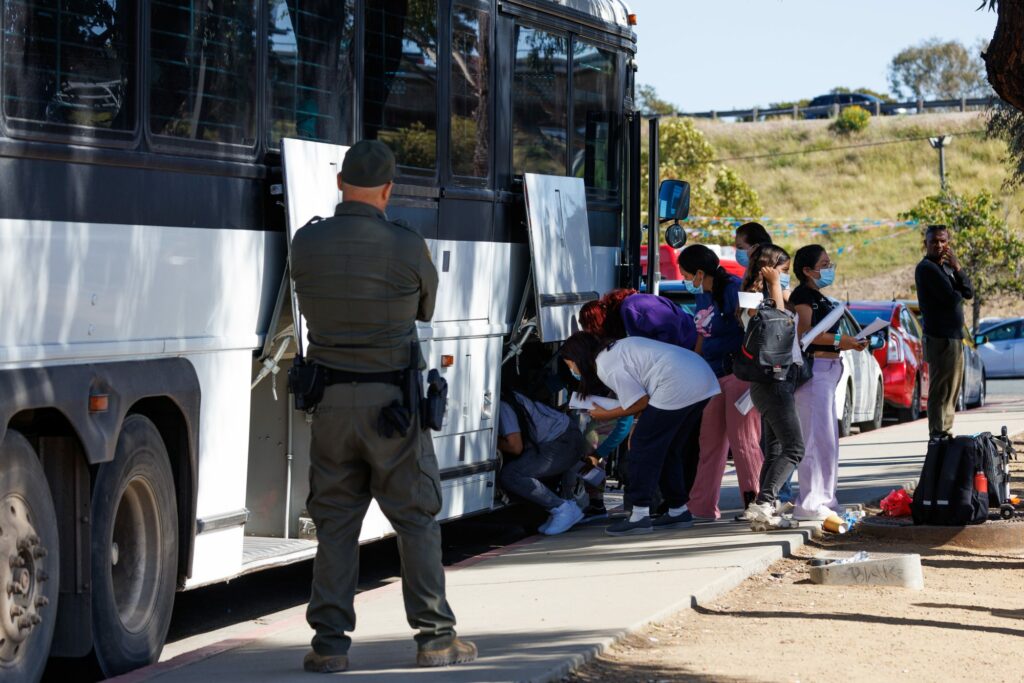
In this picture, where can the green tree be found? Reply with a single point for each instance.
(1007, 123)
(715, 189)
(650, 103)
(937, 69)
(990, 252)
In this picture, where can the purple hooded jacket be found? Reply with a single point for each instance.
(655, 317)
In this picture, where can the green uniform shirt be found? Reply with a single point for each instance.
(362, 283)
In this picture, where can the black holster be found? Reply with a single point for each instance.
(306, 383)
(436, 403)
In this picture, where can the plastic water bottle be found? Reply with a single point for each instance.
(856, 557)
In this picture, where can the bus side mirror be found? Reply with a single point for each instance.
(980, 339)
(674, 200)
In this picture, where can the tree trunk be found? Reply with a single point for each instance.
(1004, 58)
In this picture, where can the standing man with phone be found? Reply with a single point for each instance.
(942, 287)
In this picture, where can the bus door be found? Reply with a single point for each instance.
(563, 273)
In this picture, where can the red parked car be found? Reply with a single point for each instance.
(904, 372)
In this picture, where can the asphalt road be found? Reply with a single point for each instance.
(254, 596)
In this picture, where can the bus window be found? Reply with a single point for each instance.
(596, 106)
(69, 64)
(203, 70)
(311, 70)
(400, 83)
(540, 91)
(471, 73)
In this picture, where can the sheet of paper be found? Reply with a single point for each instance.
(828, 321)
(744, 403)
(873, 327)
(750, 299)
(577, 402)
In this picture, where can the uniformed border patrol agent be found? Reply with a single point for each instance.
(362, 282)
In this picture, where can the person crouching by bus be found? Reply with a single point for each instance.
(667, 387)
(815, 400)
(539, 443)
(768, 274)
(723, 426)
(603, 438)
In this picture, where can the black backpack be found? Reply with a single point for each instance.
(998, 452)
(946, 494)
(766, 354)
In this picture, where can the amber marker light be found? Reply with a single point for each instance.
(632, 19)
(447, 361)
(99, 403)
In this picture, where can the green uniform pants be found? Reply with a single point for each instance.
(350, 463)
(945, 358)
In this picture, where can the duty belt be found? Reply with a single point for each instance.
(332, 376)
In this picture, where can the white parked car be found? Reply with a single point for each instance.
(860, 396)
(1001, 347)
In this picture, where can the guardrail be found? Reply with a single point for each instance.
(832, 110)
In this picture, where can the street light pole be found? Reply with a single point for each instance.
(940, 143)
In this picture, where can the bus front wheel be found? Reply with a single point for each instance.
(29, 562)
(134, 550)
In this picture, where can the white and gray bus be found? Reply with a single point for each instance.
(143, 268)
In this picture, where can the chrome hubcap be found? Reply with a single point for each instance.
(22, 577)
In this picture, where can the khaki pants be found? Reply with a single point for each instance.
(350, 463)
(945, 358)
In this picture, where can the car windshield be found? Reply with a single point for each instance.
(866, 316)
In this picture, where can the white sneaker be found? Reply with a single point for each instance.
(763, 518)
(816, 516)
(563, 518)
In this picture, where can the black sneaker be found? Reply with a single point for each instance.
(624, 527)
(667, 521)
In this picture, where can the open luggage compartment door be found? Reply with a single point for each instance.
(310, 170)
(563, 274)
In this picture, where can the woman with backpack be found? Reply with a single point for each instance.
(815, 400)
(667, 387)
(774, 398)
(723, 426)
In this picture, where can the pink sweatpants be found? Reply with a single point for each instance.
(722, 427)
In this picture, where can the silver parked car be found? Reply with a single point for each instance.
(1001, 347)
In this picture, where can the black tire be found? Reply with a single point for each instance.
(876, 421)
(846, 419)
(134, 550)
(29, 562)
(913, 411)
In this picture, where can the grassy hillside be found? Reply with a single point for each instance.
(873, 181)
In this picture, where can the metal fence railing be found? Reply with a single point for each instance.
(832, 110)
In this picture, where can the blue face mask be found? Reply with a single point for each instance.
(692, 288)
(742, 257)
(784, 280)
(828, 276)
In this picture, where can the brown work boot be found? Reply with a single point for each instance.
(324, 664)
(458, 652)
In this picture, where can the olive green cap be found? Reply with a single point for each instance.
(368, 163)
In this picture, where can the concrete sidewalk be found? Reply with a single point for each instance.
(541, 607)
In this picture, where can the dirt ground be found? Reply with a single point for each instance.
(966, 624)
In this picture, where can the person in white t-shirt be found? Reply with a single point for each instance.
(668, 387)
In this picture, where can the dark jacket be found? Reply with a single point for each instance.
(941, 293)
(362, 283)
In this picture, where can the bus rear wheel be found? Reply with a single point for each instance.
(134, 550)
(29, 562)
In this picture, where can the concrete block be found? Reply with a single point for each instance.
(901, 571)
